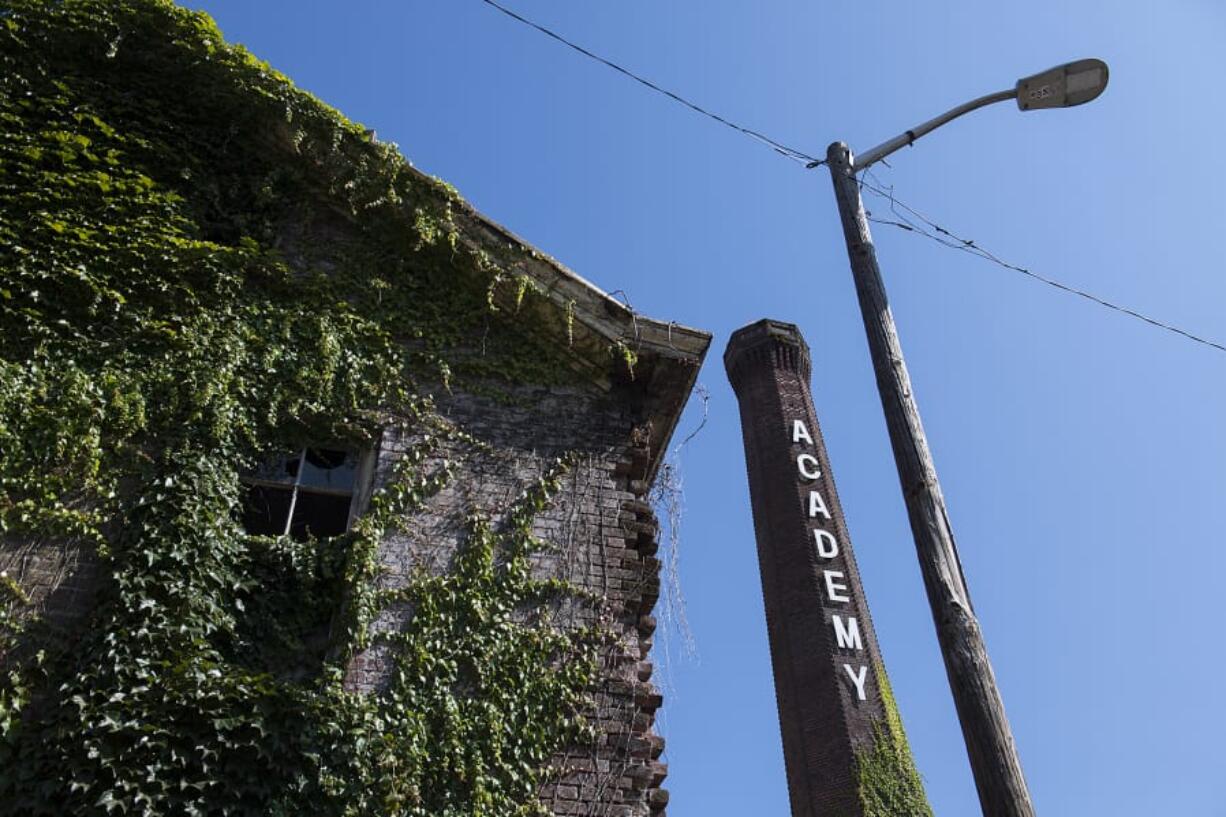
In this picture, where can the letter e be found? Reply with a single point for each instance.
(835, 590)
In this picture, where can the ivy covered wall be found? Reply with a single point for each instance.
(202, 267)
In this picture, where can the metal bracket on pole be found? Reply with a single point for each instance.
(878, 153)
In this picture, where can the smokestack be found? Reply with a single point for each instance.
(843, 743)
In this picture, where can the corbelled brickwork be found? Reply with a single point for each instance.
(827, 667)
(603, 538)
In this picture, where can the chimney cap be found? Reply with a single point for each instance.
(767, 335)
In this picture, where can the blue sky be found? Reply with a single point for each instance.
(1082, 453)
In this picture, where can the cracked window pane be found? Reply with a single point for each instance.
(282, 468)
(308, 493)
(329, 469)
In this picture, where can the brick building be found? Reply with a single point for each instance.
(620, 421)
(605, 531)
(313, 190)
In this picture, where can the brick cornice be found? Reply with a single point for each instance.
(765, 346)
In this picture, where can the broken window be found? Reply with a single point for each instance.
(309, 493)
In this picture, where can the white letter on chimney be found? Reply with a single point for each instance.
(833, 587)
(858, 680)
(848, 635)
(827, 546)
(799, 432)
(817, 505)
(806, 464)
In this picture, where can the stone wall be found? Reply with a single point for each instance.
(603, 538)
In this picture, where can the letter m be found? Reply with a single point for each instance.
(848, 635)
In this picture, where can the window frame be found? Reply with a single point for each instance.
(359, 492)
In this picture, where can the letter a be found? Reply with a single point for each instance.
(799, 432)
(817, 505)
(858, 680)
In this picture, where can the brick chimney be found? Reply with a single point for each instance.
(827, 665)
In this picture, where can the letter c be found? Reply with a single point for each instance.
(807, 465)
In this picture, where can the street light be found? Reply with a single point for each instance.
(1064, 86)
(1074, 83)
(989, 741)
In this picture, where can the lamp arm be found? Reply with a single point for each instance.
(902, 140)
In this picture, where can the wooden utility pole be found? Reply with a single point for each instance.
(989, 741)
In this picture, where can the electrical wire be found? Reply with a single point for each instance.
(780, 148)
(907, 220)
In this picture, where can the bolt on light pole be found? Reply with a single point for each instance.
(985, 729)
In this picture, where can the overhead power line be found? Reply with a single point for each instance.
(926, 227)
(778, 147)
(907, 217)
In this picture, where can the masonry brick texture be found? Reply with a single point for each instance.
(605, 538)
(604, 535)
(59, 579)
(822, 721)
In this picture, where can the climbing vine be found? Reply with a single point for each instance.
(202, 266)
(890, 785)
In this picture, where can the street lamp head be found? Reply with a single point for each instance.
(1061, 87)
(1064, 86)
